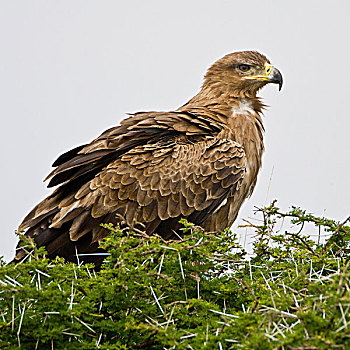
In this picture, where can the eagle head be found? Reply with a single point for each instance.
(241, 74)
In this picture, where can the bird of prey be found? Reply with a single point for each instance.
(198, 162)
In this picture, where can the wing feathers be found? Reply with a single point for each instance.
(198, 172)
(153, 169)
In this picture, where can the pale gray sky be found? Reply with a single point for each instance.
(71, 69)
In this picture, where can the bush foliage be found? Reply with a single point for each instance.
(201, 292)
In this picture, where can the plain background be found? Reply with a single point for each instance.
(71, 69)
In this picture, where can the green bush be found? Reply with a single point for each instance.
(201, 292)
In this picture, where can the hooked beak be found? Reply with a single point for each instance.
(272, 75)
(275, 77)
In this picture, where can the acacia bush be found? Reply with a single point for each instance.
(201, 292)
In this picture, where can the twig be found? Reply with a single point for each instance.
(335, 233)
(301, 239)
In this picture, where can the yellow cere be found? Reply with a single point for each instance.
(268, 69)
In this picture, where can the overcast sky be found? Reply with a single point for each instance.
(71, 69)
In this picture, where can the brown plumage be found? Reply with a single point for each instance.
(198, 162)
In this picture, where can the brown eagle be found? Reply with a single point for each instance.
(199, 162)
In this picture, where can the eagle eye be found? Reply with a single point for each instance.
(244, 67)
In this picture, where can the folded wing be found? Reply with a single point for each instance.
(152, 170)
